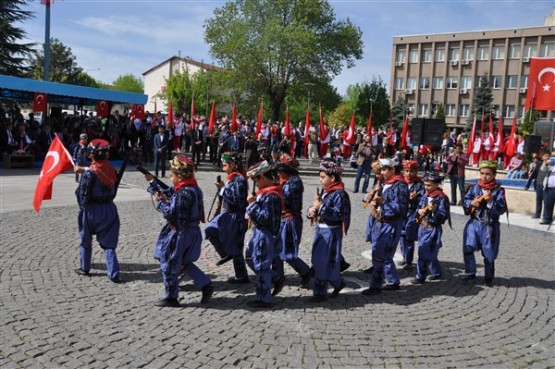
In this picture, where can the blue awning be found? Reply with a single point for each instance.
(15, 88)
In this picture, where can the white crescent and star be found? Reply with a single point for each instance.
(56, 156)
(546, 87)
(39, 99)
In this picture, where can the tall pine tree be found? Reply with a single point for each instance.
(481, 102)
(14, 52)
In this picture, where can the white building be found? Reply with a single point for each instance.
(155, 78)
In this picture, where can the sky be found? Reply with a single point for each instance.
(111, 38)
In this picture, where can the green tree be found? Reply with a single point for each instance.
(128, 83)
(373, 96)
(14, 53)
(398, 112)
(270, 45)
(527, 125)
(63, 66)
(341, 115)
(84, 79)
(440, 112)
(481, 102)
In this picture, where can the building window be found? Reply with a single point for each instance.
(464, 110)
(509, 111)
(512, 82)
(547, 50)
(496, 82)
(483, 53)
(530, 50)
(399, 83)
(400, 56)
(410, 109)
(424, 83)
(437, 83)
(440, 55)
(524, 81)
(514, 51)
(498, 52)
(411, 83)
(454, 53)
(413, 56)
(466, 82)
(427, 56)
(450, 110)
(468, 53)
(452, 82)
(423, 110)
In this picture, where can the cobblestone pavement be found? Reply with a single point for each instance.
(52, 318)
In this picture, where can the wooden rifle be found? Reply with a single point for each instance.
(371, 197)
(480, 199)
(253, 192)
(376, 209)
(218, 180)
(427, 210)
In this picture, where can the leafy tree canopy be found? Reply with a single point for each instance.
(272, 45)
(369, 96)
(63, 65)
(14, 53)
(128, 83)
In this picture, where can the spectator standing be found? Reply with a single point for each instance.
(456, 163)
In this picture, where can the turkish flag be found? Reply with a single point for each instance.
(405, 133)
(138, 111)
(351, 135)
(369, 129)
(307, 124)
(472, 137)
(233, 127)
(39, 101)
(212, 119)
(170, 114)
(541, 84)
(102, 108)
(57, 161)
(259, 121)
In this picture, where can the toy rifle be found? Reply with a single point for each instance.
(372, 194)
(427, 210)
(218, 180)
(253, 192)
(377, 209)
(319, 196)
(158, 186)
(480, 199)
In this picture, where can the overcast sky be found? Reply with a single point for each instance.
(116, 37)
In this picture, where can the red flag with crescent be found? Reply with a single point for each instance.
(351, 135)
(212, 120)
(259, 120)
(541, 84)
(102, 108)
(510, 149)
(369, 130)
(307, 124)
(233, 126)
(405, 133)
(39, 101)
(170, 114)
(138, 111)
(57, 161)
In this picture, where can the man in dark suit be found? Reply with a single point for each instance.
(148, 143)
(161, 142)
(197, 141)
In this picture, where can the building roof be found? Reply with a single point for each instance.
(184, 60)
(15, 88)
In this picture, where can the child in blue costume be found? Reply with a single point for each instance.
(226, 231)
(367, 200)
(98, 215)
(332, 211)
(291, 216)
(484, 202)
(179, 243)
(390, 210)
(262, 252)
(409, 234)
(433, 211)
(80, 154)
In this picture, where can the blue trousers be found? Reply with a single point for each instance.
(429, 243)
(385, 237)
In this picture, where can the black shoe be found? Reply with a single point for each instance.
(305, 280)
(545, 222)
(259, 304)
(207, 292)
(536, 217)
(371, 291)
(234, 280)
(369, 270)
(391, 287)
(355, 191)
(167, 303)
(278, 286)
(435, 277)
(317, 299)
(81, 272)
(467, 277)
(417, 281)
(117, 280)
(408, 266)
(488, 282)
(453, 203)
(338, 289)
(344, 265)
(224, 260)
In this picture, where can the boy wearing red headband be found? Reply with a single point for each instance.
(409, 234)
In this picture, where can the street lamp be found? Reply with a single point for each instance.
(88, 70)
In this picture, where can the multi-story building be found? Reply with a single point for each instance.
(155, 77)
(446, 68)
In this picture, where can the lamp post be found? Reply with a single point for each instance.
(88, 70)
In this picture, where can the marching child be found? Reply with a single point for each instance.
(81, 154)
(332, 211)
(262, 252)
(179, 243)
(484, 202)
(433, 211)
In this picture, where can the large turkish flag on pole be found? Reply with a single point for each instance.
(57, 161)
(541, 84)
(102, 108)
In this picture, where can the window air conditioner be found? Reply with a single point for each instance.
(526, 60)
(398, 64)
(463, 91)
(408, 91)
(465, 62)
(523, 90)
(454, 62)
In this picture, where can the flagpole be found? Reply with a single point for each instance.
(47, 41)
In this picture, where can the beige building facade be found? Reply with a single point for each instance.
(446, 68)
